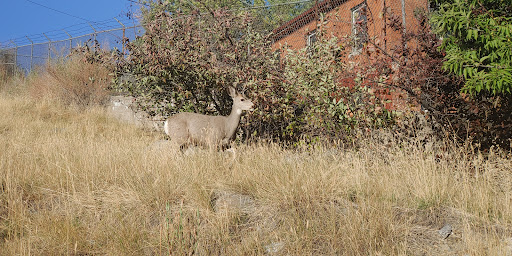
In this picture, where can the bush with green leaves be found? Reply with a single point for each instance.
(477, 39)
(483, 118)
(330, 109)
(185, 62)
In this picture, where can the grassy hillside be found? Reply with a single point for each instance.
(76, 182)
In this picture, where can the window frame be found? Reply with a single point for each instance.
(311, 38)
(359, 27)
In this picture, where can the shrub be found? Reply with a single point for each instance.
(327, 107)
(185, 62)
(4, 76)
(74, 80)
(8, 71)
(481, 117)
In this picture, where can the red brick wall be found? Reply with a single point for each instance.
(339, 24)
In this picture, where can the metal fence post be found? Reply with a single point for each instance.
(70, 40)
(15, 56)
(124, 30)
(49, 46)
(95, 34)
(31, 52)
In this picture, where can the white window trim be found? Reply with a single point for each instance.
(310, 40)
(356, 50)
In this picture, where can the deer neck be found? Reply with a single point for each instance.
(232, 121)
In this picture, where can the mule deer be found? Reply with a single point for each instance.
(192, 128)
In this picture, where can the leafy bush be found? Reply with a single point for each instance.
(477, 41)
(8, 70)
(185, 62)
(482, 117)
(329, 109)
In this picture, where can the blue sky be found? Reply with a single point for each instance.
(20, 18)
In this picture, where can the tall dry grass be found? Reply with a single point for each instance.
(72, 81)
(77, 182)
(74, 181)
(11, 81)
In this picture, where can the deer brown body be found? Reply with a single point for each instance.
(214, 131)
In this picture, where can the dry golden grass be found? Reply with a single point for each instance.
(76, 182)
(10, 81)
(71, 81)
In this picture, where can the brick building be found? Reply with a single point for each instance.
(354, 22)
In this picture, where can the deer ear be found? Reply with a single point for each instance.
(232, 91)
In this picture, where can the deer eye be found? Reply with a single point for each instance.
(242, 99)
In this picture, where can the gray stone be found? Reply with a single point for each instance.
(445, 231)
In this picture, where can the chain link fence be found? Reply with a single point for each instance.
(25, 53)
